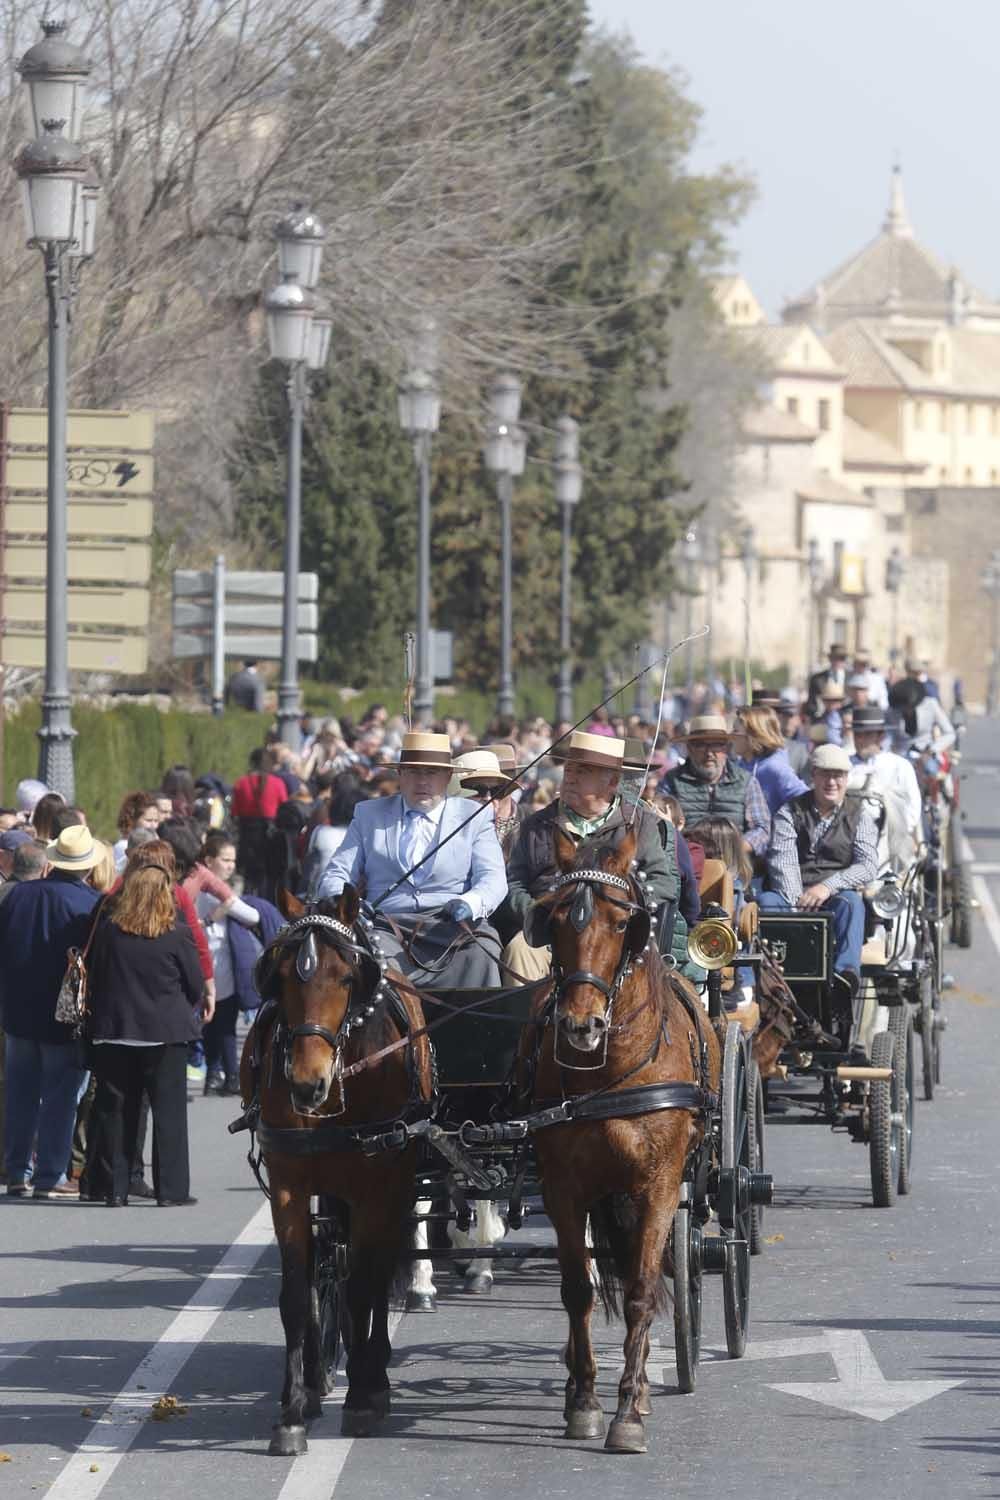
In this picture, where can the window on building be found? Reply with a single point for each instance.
(918, 416)
(970, 477)
(942, 475)
(792, 406)
(823, 412)
(995, 421)
(943, 416)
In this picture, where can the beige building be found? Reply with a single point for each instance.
(881, 379)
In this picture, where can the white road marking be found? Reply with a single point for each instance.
(112, 1436)
(9, 1353)
(859, 1388)
(314, 1475)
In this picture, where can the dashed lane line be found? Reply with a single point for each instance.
(84, 1476)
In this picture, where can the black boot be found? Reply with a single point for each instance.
(215, 1083)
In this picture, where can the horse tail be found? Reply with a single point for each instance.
(613, 1225)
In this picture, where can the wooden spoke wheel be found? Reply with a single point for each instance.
(687, 1297)
(755, 1118)
(884, 1123)
(904, 1077)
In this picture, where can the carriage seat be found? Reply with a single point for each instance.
(716, 886)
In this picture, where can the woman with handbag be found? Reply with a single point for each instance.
(145, 987)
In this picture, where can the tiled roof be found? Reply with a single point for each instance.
(826, 491)
(872, 360)
(776, 341)
(770, 424)
(869, 360)
(865, 449)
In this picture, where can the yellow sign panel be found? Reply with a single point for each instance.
(86, 473)
(87, 653)
(88, 562)
(119, 609)
(124, 431)
(852, 574)
(96, 518)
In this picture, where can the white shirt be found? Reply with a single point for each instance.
(892, 778)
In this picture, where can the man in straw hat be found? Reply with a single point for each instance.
(710, 782)
(39, 921)
(589, 807)
(398, 852)
(823, 853)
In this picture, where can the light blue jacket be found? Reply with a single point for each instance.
(470, 865)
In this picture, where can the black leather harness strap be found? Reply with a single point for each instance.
(624, 1104)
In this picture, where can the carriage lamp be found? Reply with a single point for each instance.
(419, 406)
(300, 237)
(504, 454)
(568, 476)
(56, 73)
(889, 900)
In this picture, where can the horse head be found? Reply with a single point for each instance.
(598, 925)
(322, 978)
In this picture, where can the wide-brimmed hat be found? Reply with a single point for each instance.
(474, 771)
(830, 758)
(507, 755)
(831, 693)
(581, 749)
(840, 652)
(636, 756)
(868, 718)
(765, 697)
(707, 727)
(432, 751)
(789, 701)
(75, 849)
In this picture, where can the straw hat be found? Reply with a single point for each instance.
(765, 697)
(476, 770)
(636, 757)
(600, 750)
(506, 754)
(832, 694)
(707, 727)
(75, 849)
(432, 751)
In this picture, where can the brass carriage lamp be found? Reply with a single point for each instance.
(56, 73)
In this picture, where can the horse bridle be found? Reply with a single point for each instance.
(366, 948)
(580, 914)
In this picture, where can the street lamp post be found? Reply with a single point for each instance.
(748, 556)
(419, 417)
(691, 552)
(299, 335)
(568, 485)
(991, 584)
(60, 202)
(814, 565)
(504, 453)
(894, 570)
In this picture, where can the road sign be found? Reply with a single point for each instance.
(88, 562)
(87, 653)
(93, 518)
(124, 608)
(250, 646)
(86, 473)
(260, 616)
(124, 431)
(191, 583)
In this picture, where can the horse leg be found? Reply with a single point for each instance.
(489, 1229)
(379, 1347)
(627, 1433)
(422, 1293)
(584, 1417)
(359, 1416)
(292, 1228)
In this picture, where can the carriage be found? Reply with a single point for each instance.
(480, 1139)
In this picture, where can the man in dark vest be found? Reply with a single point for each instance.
(590, 806)
(823, 853)
(710, 781)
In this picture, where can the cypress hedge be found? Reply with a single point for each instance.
(128, 748)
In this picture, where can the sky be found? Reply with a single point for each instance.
(817, 100)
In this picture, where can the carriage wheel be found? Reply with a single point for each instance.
(687, 1297)
(884, 1135)
(330, 1244)
(735, 1168)
(904, 1071)
(960, 886)
(755, 1118)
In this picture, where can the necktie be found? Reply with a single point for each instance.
(415, 838)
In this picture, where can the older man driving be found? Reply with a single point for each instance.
(710, 781)
(824, 851)
(428, 862)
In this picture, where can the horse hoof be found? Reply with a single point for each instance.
(584, 1424)
(478, 1285)
(421, 1302)
(644, 1406)
(288, 1442)
(626, 1437)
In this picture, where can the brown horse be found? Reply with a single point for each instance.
(304, 1063)
(614, 1019)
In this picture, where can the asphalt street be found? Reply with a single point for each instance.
(873, 1365)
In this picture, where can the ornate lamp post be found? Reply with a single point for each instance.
(569, 486)
(991, 584)
(60, 204)
(420, 417)
(299, 335)
(504, 453)
(894, 570)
